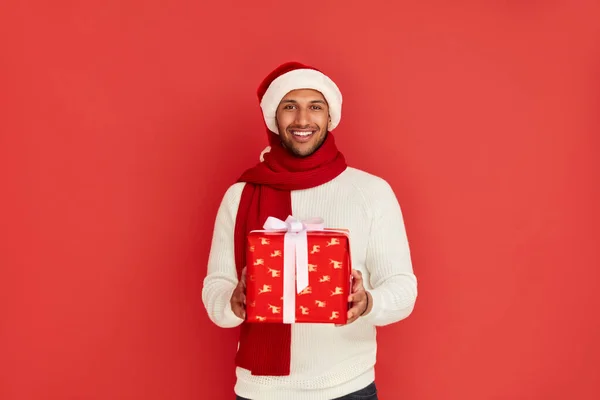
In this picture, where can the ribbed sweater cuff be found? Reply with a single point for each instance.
(229, 318)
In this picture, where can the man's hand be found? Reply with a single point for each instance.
(238, 298)
(361, 299)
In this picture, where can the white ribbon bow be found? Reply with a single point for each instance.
(295, 258)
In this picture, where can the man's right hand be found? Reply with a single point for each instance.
(238, 298)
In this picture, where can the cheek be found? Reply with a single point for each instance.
(285, 119)
(323, 122)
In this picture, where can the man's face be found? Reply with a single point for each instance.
(303, 119)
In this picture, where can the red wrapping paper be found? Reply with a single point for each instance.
(325, 300)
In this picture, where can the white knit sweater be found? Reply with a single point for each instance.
(326, 361)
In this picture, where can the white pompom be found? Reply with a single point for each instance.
(262, 153)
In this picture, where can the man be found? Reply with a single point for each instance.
(303, 174)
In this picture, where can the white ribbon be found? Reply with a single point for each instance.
(295, 258)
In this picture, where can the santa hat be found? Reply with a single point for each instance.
(291, 76)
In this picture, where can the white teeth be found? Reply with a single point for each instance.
(298, 133)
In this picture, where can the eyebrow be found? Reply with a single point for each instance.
(312, 101)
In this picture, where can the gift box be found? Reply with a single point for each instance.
(297, 272)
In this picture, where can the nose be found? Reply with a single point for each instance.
(302, 117)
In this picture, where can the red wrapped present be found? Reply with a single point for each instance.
(298, 272)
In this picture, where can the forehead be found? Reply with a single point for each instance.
(304, 95)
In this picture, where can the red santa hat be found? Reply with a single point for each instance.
(291, 76)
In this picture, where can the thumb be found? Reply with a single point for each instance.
(243, 277)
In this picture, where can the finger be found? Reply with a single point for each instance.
(352, 315)
(357, 282)
(359, 296)
(238, 310)
(353, 312)
(243, 277)
(358, 301)
(357, 287)
(238, 303)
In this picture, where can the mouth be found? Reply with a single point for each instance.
(302, 135)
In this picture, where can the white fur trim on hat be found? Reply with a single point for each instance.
(301, 79)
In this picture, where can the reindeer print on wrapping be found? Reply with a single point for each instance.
(325, 300)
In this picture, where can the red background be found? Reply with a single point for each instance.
(123, 122)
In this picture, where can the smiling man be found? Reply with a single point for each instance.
(302, 173)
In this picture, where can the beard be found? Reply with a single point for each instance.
(290, 145)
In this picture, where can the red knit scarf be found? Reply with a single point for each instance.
(265, 348)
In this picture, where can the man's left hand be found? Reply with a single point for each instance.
(361, 300)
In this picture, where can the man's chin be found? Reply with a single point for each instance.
(298, 151)
(304, 150)
(302, 153)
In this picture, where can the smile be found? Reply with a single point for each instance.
(302, 133)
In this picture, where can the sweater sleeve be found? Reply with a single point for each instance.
(388, 261)
(222, 278)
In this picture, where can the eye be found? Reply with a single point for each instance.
(288, 107)
(316, 107)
